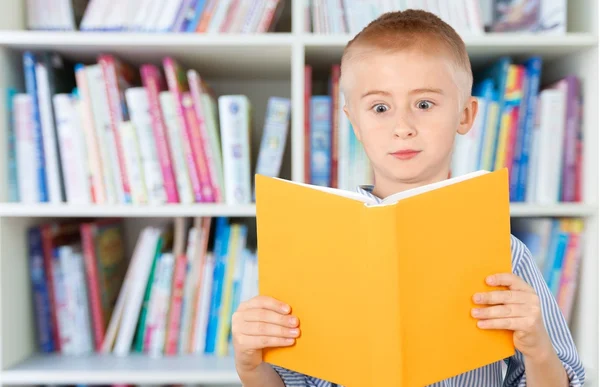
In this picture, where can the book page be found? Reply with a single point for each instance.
(429, 187)
(335, 191)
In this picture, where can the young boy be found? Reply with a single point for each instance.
(407, 84)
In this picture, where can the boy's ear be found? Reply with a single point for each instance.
(468, 115)
(354, 127)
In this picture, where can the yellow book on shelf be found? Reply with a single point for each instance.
(384, 291)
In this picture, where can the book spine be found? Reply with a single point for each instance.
(151, 81)
(109, 70)
(31, 88)
(95, 298)
(176, 304)
(172, 73)
(41, 292)
(198, 148)
(133, 163)
(571, 134)
(211, 158)
(47, 254)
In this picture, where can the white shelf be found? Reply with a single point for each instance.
(168, 210)
(16, 210)
(264, 55)
(134, 369)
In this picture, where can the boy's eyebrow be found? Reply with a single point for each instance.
(371, 92)
(415, 91)
(427, 90)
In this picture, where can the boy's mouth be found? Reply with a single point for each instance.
(405, 154)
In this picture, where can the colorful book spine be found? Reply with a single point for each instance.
(151, 80)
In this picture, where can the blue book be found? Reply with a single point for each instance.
(533, 70)
(41, 292)
(29, 62)
(222, 231)
(320, 140)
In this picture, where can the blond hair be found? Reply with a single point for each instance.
(411, 28)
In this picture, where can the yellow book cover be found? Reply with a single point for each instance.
(384, 291)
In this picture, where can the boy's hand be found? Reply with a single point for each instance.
(259, 323)
(516, 309)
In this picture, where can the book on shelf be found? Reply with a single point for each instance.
(109, 133)
(174, 296)
(533, 129)
(174, 16)
(469, 17)
(365, 280)
(556, 245)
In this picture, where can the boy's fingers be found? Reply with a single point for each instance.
(505, 297)
(511, 280)
(266, 329)
(503, 311)
(525, 324)
(259, 342)
(264, 302)
(269, 316)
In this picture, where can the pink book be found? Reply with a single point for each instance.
(118, 77)
(178, 85)
(196, 88)
(154, 84)
(174, 317)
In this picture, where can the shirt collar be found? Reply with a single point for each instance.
(367, 190)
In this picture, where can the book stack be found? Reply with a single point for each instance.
(108, 133)
(532, 129)
(467, 17)
(176, 294)
(174, 16)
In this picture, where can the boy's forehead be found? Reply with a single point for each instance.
(400, 67)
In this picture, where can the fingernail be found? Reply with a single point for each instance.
(475, 312)
(294, 332)
(285, 308)
(293, 320)
(289, 341)
(477, 297)
(490, 280)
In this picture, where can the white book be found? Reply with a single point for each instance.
(203, 305)
(175, 136)
(161, 302)
(218, 16)
(168, 15)
(53, 179)
(139, 113)
(104, 135)
(72, 150)
(84, 335)
(234, 116)
(133, 162)
(26, 149)
(551, 134)
(274, 137)
(136, 282)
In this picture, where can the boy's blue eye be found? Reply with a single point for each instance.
(380, 108)
(424, 105)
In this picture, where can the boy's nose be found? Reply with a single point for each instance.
(405, 131)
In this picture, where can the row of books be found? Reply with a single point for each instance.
(333, 156)
(108, 133)
(179, 16)
(556, 245)
(175, 295)
(533, 129)
(465, 16)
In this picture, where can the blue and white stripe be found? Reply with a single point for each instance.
(493, 375)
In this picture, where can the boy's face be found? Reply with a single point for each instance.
(405, 109)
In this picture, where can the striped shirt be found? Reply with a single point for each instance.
(510, 372)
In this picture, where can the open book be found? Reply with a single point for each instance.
(384, 291)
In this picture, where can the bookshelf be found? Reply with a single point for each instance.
(258, 65)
